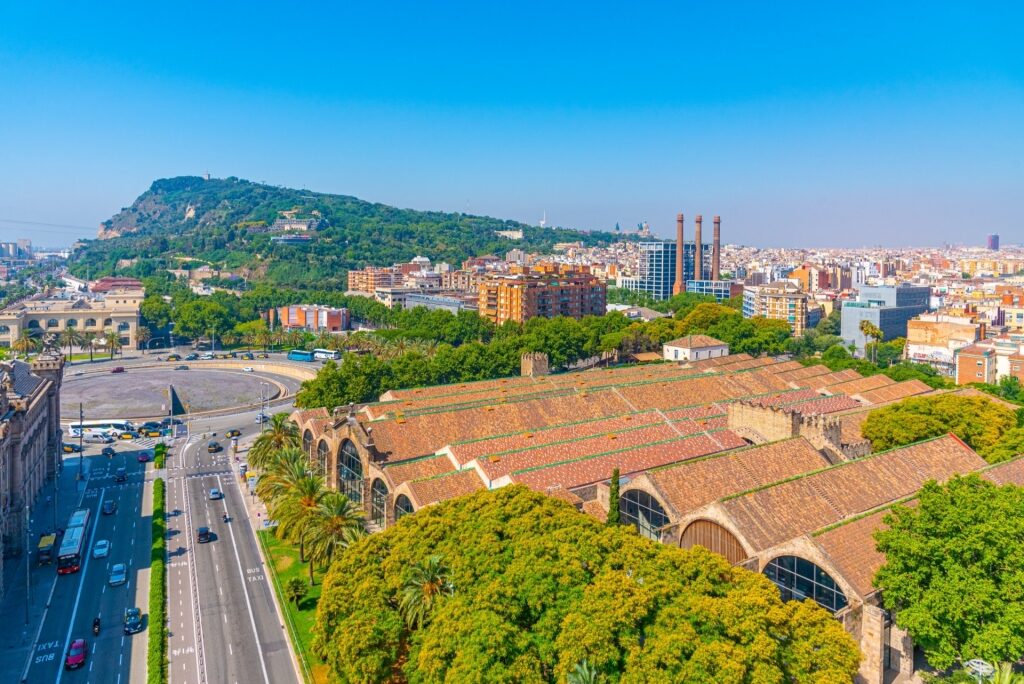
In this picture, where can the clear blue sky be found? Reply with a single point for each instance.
(817, 123)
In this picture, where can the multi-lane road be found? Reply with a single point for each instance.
(224, 623)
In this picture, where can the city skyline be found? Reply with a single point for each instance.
(837, 127)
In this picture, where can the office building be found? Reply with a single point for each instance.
(993, 242)
(521, 296)
(888, 308)
(778, 301)
(719, 289)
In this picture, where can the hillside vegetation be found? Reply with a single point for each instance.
(222, 222)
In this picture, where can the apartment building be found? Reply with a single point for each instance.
(368, 280)
(780, 301)
(888, 308)
(310, 318)
(521, 296)
(934, 338)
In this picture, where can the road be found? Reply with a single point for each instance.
(224, 624)
(79, 597)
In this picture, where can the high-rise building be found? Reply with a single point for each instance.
(993, 242)
(521, 296)
(370, 278)
(778, 301)
(657, 271)
(888, 308)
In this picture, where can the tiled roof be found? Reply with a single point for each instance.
(695, 342)
(901, 390)
(833, 378)
(691, 484)
(851, 547)
(705, 364)
(24, 382)
(417, 469)
(1009, 472)
(824, 405)
(309, 414)
(797, 374)
(785, 510)
(785, 398)
(861, 384)
(594, 509)
(444, 487)
(850, 426)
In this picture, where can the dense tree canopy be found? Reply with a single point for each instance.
(986, 426)
(534, 588)
(954, 570)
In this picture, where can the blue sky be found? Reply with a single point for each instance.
(843, 124)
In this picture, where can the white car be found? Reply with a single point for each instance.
(248, 369)
(101, 549)
(206, 357)
(118, 575)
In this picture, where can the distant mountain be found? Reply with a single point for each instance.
(231, 223)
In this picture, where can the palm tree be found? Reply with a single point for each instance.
(229, 339)
(336, 523)
(1005, 675)
(295, 508)
(70, 337)
(280, 471)
(428, 581)
(295, 589)
(277, 338)
(142, 336)
(27, 342)
(583, 673)
(280, 433)
(250, 340)
(112, 341)
(87, 342)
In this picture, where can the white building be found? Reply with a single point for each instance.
(694, 348)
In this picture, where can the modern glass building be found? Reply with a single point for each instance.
(719, 289)
(657, 271)
(889, 308)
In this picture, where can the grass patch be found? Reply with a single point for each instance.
(156, 657)
(283, 561)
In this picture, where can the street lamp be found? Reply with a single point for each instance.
(979, 669)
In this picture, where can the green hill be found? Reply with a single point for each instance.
(228, 223)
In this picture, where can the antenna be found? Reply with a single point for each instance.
(544, 220)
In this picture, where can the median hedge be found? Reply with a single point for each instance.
(156, 658)
(159, 456)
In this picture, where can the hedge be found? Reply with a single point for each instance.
(156, 658)
(159, 456)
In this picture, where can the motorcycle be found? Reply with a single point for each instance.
(96, 625)
(225, 517)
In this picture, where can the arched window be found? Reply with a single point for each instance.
(33, 325)
(307, 443)
(107, 322)
(90, 322)
(321, 456)
(350, 472)
(5, 328)
(402, 506)
(713, 537)
(72, 323)
(640, 509)
(52, 323)
(378, 502)
(123, 326)
(798, 578)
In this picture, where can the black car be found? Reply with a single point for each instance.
(120, 475)
(109, 507)
(167, 422)
(181, 368)
(214, 447)
(132, 620)
(192, 357)
(70, 448)
(203, 535)
(109, 452)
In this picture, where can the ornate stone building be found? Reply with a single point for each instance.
(30, 441)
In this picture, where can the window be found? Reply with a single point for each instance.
(799, 579)
(978, 374)
(978, 363)
(640, 509)
(123, 326)
(307, 443)
(33, 325)
(378, 502)
(52, 323)
(402, 506)
(107, 322)
(90, 323)
(5, 328)
(321, 456)
(72, 323)
(350, 472)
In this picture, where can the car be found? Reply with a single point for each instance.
(151, 433)
(117, 369)
(69, 448)
(234, 432)
(216, 494)
(262, 418)
(118, 574)
(192, 357)
(248, 369)
(181, 368)
(109, 507)
(132, 620)
(174, 357)
(214, 447)
(206, 357)
(101, 549)
(263, 355)
(109, 452)
(76, 654)
(120, 475)
(248, 356)
(143, 457)
(203, 535)
(98, 438)
(167, 422)
(150, 425)
(126, 435)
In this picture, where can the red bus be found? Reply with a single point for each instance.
(69, 559)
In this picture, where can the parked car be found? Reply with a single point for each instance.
(143, 457)
(262, 418)
(69, 448)
(120, 475)
(192, 357)
(206, 357)
(117, 369)
(150, 425)
(247, 356)
(174, 357)
(234, 432)
(132, 620)
(118, 574)
(77, 654)
(167, 422)
(127, 435)
(151, 433)
(203, 535)
(263, 355)
(214, 447)
(109, 507)
(101, 549)
(181, 368)
(109, 452)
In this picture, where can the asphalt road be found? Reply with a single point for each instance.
(79, 597)
(224, 625)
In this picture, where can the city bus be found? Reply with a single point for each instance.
(69, 559)
(325, 354)
(300, 355)
(100, 426)
(79, 518)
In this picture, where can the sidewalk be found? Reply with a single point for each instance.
(23, 619)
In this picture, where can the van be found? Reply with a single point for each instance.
(97, 438)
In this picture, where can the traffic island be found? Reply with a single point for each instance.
(156, 655)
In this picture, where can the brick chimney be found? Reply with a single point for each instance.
(680, 284)
(716, 247)
(698, 254)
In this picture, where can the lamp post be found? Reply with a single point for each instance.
(980, 669)
(81, 435)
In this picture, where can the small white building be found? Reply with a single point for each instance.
(694, 348)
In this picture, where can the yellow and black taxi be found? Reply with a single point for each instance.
(234, 432)
(174, 357)
(126, 435)
(69, 448)
(213, 447)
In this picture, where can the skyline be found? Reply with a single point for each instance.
(873, 125)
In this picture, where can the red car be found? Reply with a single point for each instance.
(117, 369)
(143, 457)
(76, 654)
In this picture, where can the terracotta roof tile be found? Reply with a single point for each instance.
(860, 384)
(901, 390)
(594, 509)
(825, 379)
(824, 405)
(695, 342)
(417, 469)
(1010, 472)
(851, 547)
(436, 489)
(804, 372)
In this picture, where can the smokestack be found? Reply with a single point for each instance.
(698, 254)
(679, 285)
(716, 247)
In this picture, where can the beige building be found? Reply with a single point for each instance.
(779, 301)
(29, 443)
(117, 310)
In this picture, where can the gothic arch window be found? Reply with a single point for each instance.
(307, 443)
(52, 323)
(641, 510)
(33, 325)
(378, 502)
(321, 456)
(798, 578)
(72, 323)
(402, 506)
(350, 472)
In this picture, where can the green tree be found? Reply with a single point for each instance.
(336, 523)
(86, 344)
(427, 583)
(295, 508)
(142, 336)
(155, 311)
(871, 331)
(28, 341)
(953, 570)
(279, 433)
(295, 589)
(112, 341)
(613, 498)
(70, 337)
(583, 673)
